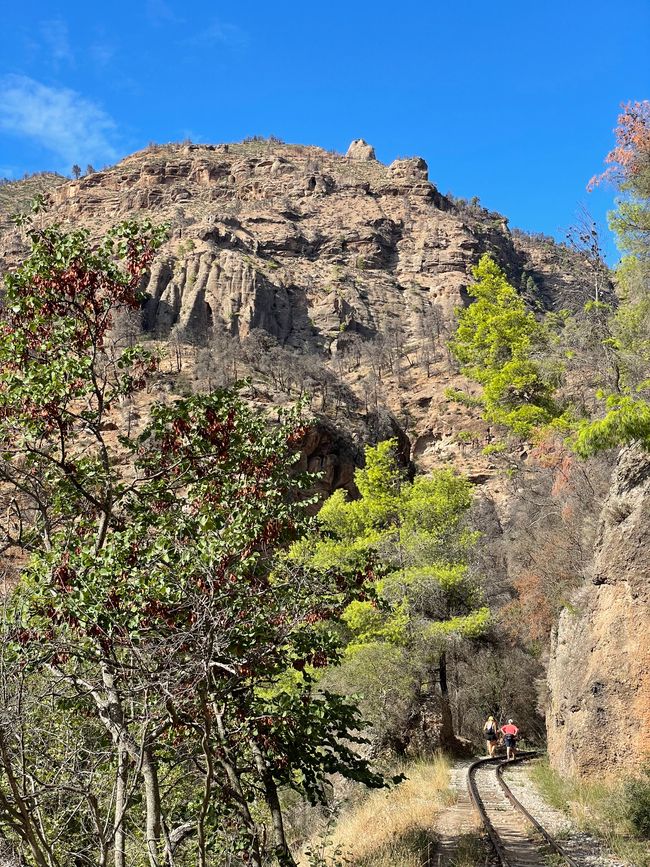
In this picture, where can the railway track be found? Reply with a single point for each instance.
(517, 837)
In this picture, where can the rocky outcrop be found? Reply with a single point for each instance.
(335, 454)
(332, 455)
(217, 283)
(259, 229)
(360, 150)
(598, 718)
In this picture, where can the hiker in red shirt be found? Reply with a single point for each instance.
(510, 732)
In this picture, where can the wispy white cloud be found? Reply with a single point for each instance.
(161, 12)
(101, 53)
(56, 38)
(59, 119)
(227, 34)
(217, 32)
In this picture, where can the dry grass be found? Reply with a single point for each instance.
(596, 807)
(394, 828)
(470, 851)
(17, 195)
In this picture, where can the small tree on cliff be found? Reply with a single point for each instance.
(501, 345)
(627, 409)
(497, 343)
(156, 601)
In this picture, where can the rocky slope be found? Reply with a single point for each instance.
(343, 259)
(598, 719)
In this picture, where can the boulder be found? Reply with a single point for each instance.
(412, 168)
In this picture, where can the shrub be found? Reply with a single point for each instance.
(495, 449)
(636, 802)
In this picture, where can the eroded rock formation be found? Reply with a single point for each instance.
(334, 257)
(360, 150)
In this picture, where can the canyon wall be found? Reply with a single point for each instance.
(598, 718)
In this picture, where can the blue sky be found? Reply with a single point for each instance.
(513, 102)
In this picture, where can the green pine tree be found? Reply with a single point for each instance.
(427, 596)
(497, 343)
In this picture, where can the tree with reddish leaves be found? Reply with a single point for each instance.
(627, 409)
(629, 159)
(157, 600)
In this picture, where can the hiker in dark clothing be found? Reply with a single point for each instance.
(490, 731)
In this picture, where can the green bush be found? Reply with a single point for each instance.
(636, 802)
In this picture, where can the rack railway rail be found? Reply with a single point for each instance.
(513, 832)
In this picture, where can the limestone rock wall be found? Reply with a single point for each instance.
(598, 717)
(341, 258)
(250, 221)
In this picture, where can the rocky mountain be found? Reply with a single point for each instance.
(341, 259)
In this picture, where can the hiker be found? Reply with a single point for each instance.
(510, 732)
(490, 731)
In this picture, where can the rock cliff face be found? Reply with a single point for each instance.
(343, 259)
(598, 718)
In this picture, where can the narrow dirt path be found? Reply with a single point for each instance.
(456, 820)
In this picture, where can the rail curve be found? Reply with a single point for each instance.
(508, 830)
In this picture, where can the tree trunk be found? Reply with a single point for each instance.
(447, 736)
(444, 686)
(282, 850)
(152, 802)
(234, 780)
(207, 789)
(29, 829)
(119, 829)
(111, 713)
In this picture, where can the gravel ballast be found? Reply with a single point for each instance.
(587, 851)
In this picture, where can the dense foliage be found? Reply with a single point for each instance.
(148, 715)
(426, 600)
(498, 342)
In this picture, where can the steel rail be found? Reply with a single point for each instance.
(477, 801)
(533, 821)
(475, 798)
